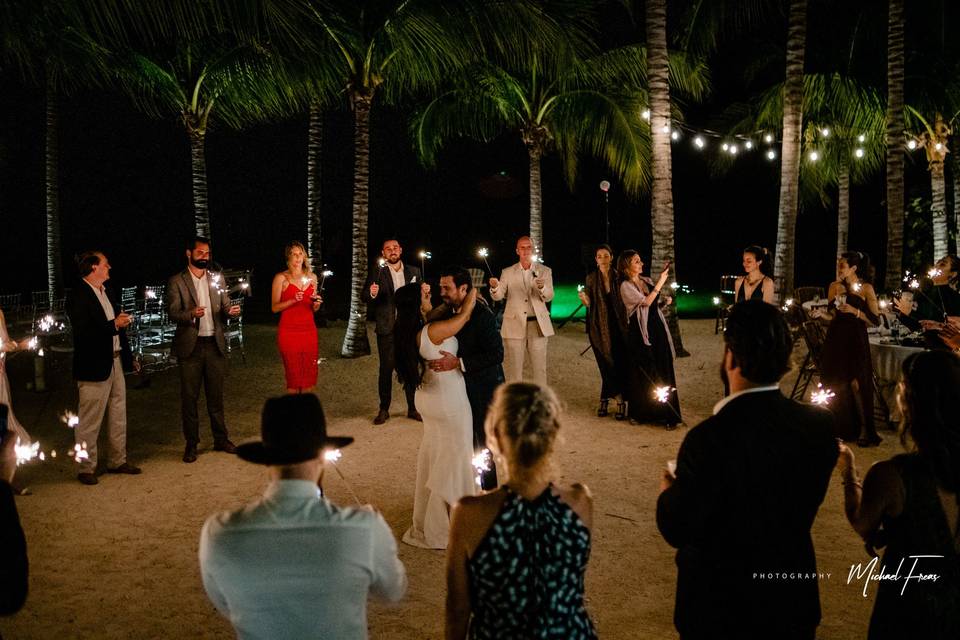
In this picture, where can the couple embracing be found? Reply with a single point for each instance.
(452, 356)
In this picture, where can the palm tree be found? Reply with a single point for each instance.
(935, 140)
(661, 188)
(790, 154)
(895, 142)
(314, 164)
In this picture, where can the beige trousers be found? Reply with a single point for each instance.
(99, 399)
(534, 347)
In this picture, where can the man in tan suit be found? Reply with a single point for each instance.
(199, 307)
(528, 287)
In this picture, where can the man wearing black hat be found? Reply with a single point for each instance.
(292, 564)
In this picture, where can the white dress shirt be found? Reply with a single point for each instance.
(101, 294)
(397, 275)
(294, 565)
(202, 286)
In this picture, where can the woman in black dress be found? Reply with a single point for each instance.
(601, 297)
(517, 556)
(845, 364)
(649, 344)
(910, 505)
(756, 283)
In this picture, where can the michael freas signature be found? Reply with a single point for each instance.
(871, 573)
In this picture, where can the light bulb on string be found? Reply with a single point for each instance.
(665, 128)
(725, 146)
(645, 114)
(733, 149)
(825, 132)
(699, 143)
(814, 156)
(911, 144)
(858, 153)
(938, 146)
(771, 155)
(748, 145)
(768, 138)
(674, 135)
(861, 138)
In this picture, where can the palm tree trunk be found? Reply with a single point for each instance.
(314, 156)
(843, 205)
(790, 155)
(955, 181)
(661, 198)
(938, 209)
(895, 126)
(52, 187)
(355, 341)
(536, 201)
(198, 168)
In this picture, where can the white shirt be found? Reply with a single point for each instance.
(528, 287)
(294, 565)
(202, 287)
(397, 275)
(724, 402)
(101, 294)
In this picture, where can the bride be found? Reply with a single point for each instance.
(444, 469)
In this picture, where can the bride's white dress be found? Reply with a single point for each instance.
(5, 396)
(444, 463)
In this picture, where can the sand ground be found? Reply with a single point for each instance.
(119, 560)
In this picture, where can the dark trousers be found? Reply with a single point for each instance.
(206, 366)
(387, 366)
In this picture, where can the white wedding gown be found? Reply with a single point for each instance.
(5, 397)
(444, 462)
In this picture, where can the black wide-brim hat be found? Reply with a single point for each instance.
(293, 430)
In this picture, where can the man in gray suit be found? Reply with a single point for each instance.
(199, 305)
(378, 294)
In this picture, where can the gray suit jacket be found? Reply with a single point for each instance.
(181, 301)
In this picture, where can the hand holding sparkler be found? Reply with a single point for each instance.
(583, 295)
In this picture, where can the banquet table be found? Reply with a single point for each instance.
(888, 357)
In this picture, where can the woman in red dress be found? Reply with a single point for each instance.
(296, 299)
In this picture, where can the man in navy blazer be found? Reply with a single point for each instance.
(101, 354)
(748, 484)
(378, 293)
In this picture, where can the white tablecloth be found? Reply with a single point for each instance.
(887, 362)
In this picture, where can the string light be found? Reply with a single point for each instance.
(733, 149)
(698, 141)
(771, 155)
(748, 144)
(911, 144)
(825, 132)
(665, 128)
(861, 138)
(768, 138)
(814, 156)
(938, 146)
(858, 153)
(674, 135)
(725, 146)
(645, 114)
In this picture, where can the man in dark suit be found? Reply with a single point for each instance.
(378, 292)
(199, 305)
(748, 484)
(101, 354)
(479, 354)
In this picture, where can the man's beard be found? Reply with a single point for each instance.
(199, 264)
(393, 259)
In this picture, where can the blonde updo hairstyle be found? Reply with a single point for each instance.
(527, 418)
(287, 250)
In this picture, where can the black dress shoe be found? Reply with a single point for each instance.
(226, 446)
(622, 408)
(415, 415)
(87, 478)
(126, 468)
(602, 411)
(382, 416)
(190, 453)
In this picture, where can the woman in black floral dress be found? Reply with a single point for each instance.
(517, 555)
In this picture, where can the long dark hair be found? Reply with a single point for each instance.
(623, 261)
(931, 413)
(764, 257)
(953, 263)
(861, 261)
(410, 366)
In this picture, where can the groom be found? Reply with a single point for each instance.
(479, 356)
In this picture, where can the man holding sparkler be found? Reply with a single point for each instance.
(382, 282)
(293, 564)
(199, 305)
(747, 487)
(528, 287)
(479, 356)
(101, 353)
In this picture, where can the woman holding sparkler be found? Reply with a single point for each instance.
(756, 283)
(845, 364)
(8, 346)
(296, 298)
(444, 462)
(933, 304)
(601, 297)
(517, 555)
(910, 505)
(651, 385)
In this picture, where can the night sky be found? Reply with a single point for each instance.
(125, 186)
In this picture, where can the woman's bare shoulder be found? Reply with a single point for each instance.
(578, 497)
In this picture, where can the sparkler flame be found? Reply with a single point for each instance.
(662, 394)
(933, 273)
(80, 452)
(70, 419)
(425, 255)
(716, 300)
(914, 284)
(579, 287)
(483, 253)
(481, 463)
(333, 455)
(821, 396)
(25, 452)
(381, 262)
(674, 285)
(46, 323)
(151, 294)
(857, 286)
(326, 273)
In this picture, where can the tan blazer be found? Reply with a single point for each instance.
(181, 301)
(515, 316)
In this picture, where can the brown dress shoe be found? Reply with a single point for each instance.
(190, 453)
(382, 416)
(415, 415)
(126, 468)
(226, 446)
(87, 478)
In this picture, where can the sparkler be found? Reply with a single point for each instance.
(70, 419)
(424, 256)
(662, 394)
(25, 452)
(787, 304)
(151, 294)
(32, 343)
(821, 396)
(934, 272)
(323, 277)
(80, 452)
(332, 456)
(716, 301)
(857, 287)
(483, 253)
(481, 462)
(304, 282)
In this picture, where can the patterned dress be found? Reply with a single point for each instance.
(526, 576)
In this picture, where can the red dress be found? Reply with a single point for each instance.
(297, 339)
